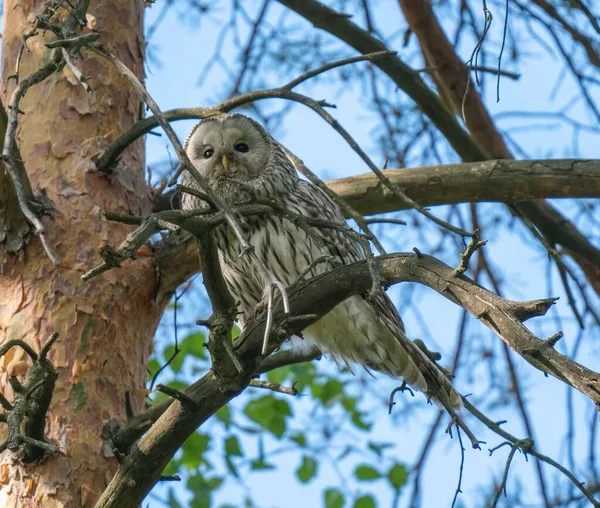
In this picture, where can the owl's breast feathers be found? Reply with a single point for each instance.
(358, 330)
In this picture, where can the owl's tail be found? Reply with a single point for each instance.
(421, 372)
(355, 332)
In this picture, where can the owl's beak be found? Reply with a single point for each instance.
(225, 162)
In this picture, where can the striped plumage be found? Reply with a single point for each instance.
(357, 330)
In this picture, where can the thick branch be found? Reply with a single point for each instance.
(314, 298)
(452, 77)
(504, 181)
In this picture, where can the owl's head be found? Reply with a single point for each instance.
(229, 148)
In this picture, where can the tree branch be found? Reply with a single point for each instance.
(428, 102)
(452, 79)
(314, 298)
(504, 181)
(109, 157)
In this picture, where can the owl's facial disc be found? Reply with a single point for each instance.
(232, 149)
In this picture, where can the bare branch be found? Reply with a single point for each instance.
(527, 446)
(105, 161)
(497, 180)
(315, 298)
(10, 154)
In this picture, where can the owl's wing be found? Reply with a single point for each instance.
(312, 202)
(318, 205)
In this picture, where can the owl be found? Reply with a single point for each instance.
(241, 161)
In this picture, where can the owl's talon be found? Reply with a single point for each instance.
(284, 296)
(286, 307)
(248, 249)
(269, 320)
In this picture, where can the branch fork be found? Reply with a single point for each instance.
(26, 415)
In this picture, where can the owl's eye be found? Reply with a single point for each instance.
(241, 147)
(208, 153)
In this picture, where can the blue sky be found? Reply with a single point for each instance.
(184, 49)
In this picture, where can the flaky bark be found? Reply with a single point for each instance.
(106, 326)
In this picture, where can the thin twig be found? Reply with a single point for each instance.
(460, 470)
(14, 166)
(276, 387)
(474, 245)
(502, 487)
(530, 450)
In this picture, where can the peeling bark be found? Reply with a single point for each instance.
(106, 326)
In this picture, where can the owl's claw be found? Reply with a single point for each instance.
(284, 296)
(269, 320)
(286, 307)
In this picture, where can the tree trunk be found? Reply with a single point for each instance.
(106, 326)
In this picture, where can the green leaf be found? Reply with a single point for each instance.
(397, 476)
(365, 502)
(261, 464)
(332, 389)
(307, 469)
(224, 415)
(232, 446)
(359, 422)
(202, 488)
(316, 390)
(277, 426)
(333, 498)
(201, 500)
(282, 407)
(231, 466)
(193, 345)
(214, 483)
(366, 473)
(300, 439)
(349, 403)
(279, 375)
(153, 366)
(199, 487)
(193, 448)
(269, 412)
(177, 361)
